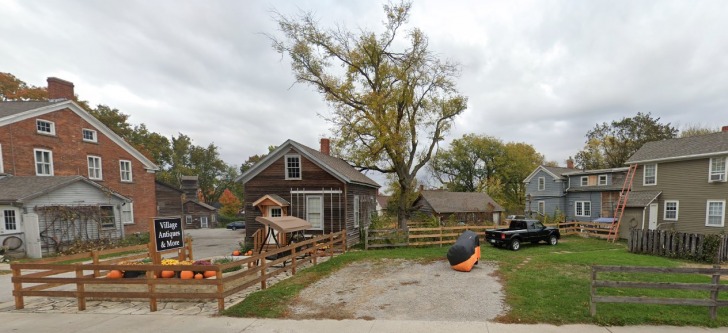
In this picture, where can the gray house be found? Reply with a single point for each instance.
(580, 195)
(680, 184)
(43, 214)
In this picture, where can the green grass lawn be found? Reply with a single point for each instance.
(543, 284)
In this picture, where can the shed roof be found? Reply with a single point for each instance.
(459, 202)
(22, 188)
(285, 224)
(641, 198)
(201, 204)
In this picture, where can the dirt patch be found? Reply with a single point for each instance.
(403, 290)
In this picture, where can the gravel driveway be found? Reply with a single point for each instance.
(403, 290)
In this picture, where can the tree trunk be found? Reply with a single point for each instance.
(403, 204)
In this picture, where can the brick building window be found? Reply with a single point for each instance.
(125, 170)
(43, 162)
(1, 159)
(127, 213)
(45, 127)
(89, 135)
(94, 168)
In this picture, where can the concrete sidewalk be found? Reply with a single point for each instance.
(93, 323)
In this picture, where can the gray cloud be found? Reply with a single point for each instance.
(540, 72)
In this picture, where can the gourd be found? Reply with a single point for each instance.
(208, 274)
(186, 275)
(115, 274)
(236, 253)
(167, 274)
(199, 276)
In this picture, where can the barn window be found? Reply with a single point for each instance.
(293, 167)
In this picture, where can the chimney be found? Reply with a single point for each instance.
(59, 89)
(326, 146)
(570, 163)
(189, 185)
(422, 187)
(724, 129)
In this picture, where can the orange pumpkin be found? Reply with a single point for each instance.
(208, 274)
(236, 253)
(199, 276)
(186, 275)
(115, 274)
(167, 274)
(249, 253)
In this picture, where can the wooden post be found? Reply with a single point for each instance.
(331, 245)
(440, 231)
(95, 259)
(17, 288)
(343, 242)
(220, 291)
(263, 271)
(80, 290)
(366, 238)
(592, 304)
(152, 287)
(188, 245)
(293, 261)
(714, 293)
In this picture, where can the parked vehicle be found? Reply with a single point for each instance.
(236, 225)
(520, 231)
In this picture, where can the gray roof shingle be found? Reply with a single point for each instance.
(459, 202)
(20, 188)
(682, 148)
(15, 107)
(641, 198)
(340, 166)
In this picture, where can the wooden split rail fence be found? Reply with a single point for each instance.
(712, 301)
(447, 235)
(87, 280)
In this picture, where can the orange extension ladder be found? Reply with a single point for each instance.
(621, 203)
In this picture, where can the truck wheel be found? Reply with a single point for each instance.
(515, 245)
(553, 240)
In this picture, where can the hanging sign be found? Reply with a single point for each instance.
(168, 233)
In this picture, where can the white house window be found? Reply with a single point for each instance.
(125, 170)
(356, 211)
(107, 217)
(582, 208)
(293, 166)
(45, 127)
(315, 211)
(602, 180)
(542, 207)
(541, 183)
(715, 213)
(671, 210)
(127, 213)
(89, 135)
(650, 176)
(717, 169)
(43, 162)
(584, 181)
(11, 223)
(94, 167)
(275, 211)
(1, 159)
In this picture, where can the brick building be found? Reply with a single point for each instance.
(59, 138)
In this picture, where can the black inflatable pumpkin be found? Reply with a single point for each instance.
(465, 253)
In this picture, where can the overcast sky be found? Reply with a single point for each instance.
(539, 72)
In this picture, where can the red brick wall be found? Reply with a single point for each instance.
(70, 158)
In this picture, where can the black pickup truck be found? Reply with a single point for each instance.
(520, 231)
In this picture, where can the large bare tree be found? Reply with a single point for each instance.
(391, 105)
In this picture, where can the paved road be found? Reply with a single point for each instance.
(207, 243)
